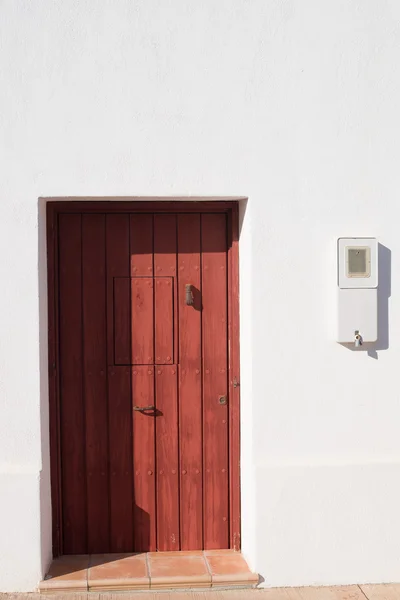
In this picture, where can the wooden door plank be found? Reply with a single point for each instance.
(122, 320)
(119, 397)
(117, 249)
(142, 320)
(133, 320)
(190, 399)
(53, 370)
(168, 537)
(95, 380)
(120, 459)
(163, 320)
(215, 364)
(144, 467)
(141, 265)
(167, 443)
(234, 379)
(72, 418)
(165, 265)
(141, 245)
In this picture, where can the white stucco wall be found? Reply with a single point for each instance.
(294, 105)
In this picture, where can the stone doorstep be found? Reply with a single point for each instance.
(148, 571)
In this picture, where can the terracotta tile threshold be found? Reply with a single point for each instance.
(148, 570)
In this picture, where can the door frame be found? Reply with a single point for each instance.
(231, 209)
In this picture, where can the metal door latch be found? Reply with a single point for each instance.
(141, 408)
(223, 400)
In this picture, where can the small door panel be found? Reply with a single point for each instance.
(164, 320)
(133, 320)
(142, 321)
(165, 262)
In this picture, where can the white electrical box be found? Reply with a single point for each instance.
(357, 290)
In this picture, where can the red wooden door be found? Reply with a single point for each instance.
(143, 412)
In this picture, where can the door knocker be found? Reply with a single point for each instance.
(189, 294)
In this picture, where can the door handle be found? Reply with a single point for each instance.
(142, 408)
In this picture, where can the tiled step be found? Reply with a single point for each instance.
(151, 570)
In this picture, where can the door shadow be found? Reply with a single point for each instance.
(197, 303)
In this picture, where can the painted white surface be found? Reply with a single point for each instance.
(292, 104)
(20, 541)
(357, 311)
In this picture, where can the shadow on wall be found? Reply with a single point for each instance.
(242, 213)
(384, 292)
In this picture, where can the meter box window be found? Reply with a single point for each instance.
(358, 261)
